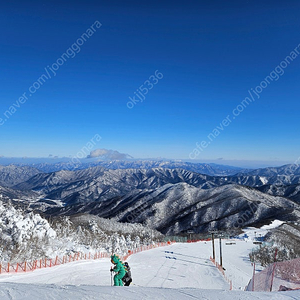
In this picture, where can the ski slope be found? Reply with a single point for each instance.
(179, 271)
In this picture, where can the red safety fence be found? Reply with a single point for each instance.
(278, 276)
(143, 248)
(51, 262)
(220, 268)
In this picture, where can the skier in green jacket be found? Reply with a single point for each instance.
(119, 269)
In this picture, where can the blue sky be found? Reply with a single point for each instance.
(209, 53)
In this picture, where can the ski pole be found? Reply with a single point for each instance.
(111, 276)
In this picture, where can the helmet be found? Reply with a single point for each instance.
(115, 259)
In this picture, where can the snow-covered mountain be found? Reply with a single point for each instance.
(177, 208)
(202, 168)
(47, 182)
(290, 169)
(10, 193)
(290, 191)
(30, 236)
(76, 164)
(98, 184)
(97, 181)
(258, 180)
(281, 181)
(121, 193)
(286, 238)
(12, 175)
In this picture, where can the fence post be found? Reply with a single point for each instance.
(253, 276)
(17, 267)
(25, 266)
(273, 272)
(7, 267)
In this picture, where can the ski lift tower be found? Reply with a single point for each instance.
(190, 233)
(220, 241)
(219, 234)
(193, 226)
(213, 232)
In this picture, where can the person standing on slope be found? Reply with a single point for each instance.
(119, 269)
(127, 279)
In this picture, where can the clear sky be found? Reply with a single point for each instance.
(201, 60)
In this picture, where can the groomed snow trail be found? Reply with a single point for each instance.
(177, 266)
(14, 291)
(179, 271)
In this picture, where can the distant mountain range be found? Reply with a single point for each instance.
(96, 183)
(178, 208)
(12, 175)
(203, 168)
(170, 198)
(290, 191)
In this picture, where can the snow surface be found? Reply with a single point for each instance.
(179, 271)
(252, 232)
(88, 292)
(264, 180)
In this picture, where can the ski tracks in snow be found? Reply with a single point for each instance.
(176, 267)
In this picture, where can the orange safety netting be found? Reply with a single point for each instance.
(278, 276)
(51, 262)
